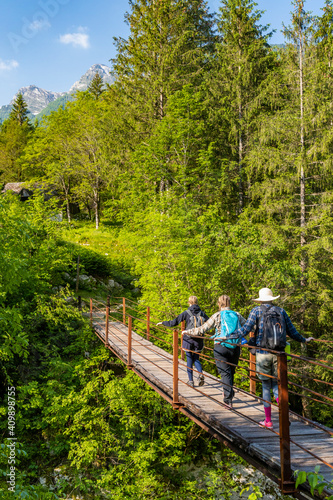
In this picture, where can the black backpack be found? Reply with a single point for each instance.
(274, 329)
(195, 320)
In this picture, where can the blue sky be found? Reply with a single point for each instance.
(51, 43)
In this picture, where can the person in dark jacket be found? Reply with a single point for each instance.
(192, 346)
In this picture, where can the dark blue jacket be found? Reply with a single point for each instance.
(190, 343)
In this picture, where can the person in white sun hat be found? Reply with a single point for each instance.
(271, 324)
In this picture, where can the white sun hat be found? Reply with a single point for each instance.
(266, 295)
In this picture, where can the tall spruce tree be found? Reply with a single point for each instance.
(279, 159)
(299, 34)
(169, 45)
(242, 64)
(19, 111)
(96, 87)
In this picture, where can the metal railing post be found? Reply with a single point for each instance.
(252, 370)
(91, 312)
(129, 353)
(148, 323)
(287, 482)
(107, 321)
(182, 352)
(124, 310)
(175, 398)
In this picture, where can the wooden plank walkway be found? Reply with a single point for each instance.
(204, 405)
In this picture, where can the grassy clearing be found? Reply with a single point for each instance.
(102, 255)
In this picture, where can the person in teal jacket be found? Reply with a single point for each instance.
(226, 354)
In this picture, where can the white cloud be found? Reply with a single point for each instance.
(39, 24)
(78, 39)
(8, 65)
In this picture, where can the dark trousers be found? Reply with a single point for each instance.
(192, 358)
(223, 355)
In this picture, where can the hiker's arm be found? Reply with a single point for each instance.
(291, 330)
(248, 325)
(174, 322)
(203, 328)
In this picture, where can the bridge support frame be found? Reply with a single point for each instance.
(287, 483)
(107, 321)
(129, 352)
(252, 372)
(175, 396)
(148, 323)
(182, 352)
(124, 310)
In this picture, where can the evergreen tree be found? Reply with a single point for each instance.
(96, 87)
(242, 64)
(19, 111)
(15, 133)
(169, 45)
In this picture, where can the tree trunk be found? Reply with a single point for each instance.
(68, 210)
(302, 172)
(66, 191)
(240, 161)
(96, 206)
(305, 402)
(240, 137)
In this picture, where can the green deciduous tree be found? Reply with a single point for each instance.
(50, 157)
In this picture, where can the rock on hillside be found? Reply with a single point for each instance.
(86, 79)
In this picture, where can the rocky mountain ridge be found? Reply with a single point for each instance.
(86, 79)
(36, 98)
(39, 99)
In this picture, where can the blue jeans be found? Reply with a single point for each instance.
(267, 363)
(267, 385)
(192, 358)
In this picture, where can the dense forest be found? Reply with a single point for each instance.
(206, 168)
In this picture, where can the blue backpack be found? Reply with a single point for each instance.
(229, 324)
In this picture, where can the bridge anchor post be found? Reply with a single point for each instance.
(182, 352)
(129, 353)
(252, 370)
(107, 321)
(175, 399)
(287, 484)
(148, 323)
(124, 310)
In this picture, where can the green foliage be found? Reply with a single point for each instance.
(315, 480)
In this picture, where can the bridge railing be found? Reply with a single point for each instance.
(293, 372)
